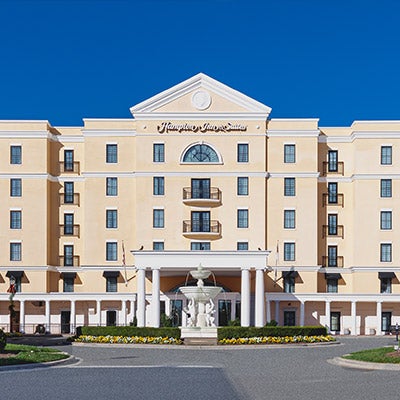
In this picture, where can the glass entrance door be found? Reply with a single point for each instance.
(335, 322)
(289, 318)
(386, 321)
(65, 321)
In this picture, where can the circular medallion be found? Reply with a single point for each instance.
(201, 100)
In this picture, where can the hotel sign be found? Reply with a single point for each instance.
(166, 127)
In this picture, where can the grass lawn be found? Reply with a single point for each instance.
(16, 354)
(381, 355)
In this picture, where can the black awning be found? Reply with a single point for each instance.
(111, 274)
(15, 274)
(287, 274)
(333, 276)
(68, 275)
(386, 275)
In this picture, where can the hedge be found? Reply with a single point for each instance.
(128, 331)
(3, 340)
(235, 332)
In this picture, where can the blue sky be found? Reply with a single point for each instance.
(68, 60)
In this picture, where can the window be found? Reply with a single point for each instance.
(17, 282)
(111, 219)
(201, 188)
(15, 155)
(242, 245)
(68, 224)
(200, 221)
(386, 252)
(332, 256)
(200, 153)
(242, 153)
(158, 246)
(289, 283)
(68, 160)
(332, 224)
(331, 285)
(158, 186)
(15, 251)
(332, 192)
(289, 219)
(111, 251)
(289, 153)
(68, 284)
(15, 187)
(68, 255)
(158, 152)
(112, 186)
(15, 219)
(290, 187)
(386, 220)
(242, 218)
(242, 186)
(386, 155)
(289, 250)
(386, 285)
(200, 246)
(158, 218)
(69, 192)
(111, 284)
(111, 153)
(332, 161)
(386, 188)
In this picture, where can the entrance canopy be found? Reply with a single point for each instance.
(213, 260)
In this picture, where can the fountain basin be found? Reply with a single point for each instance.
(200, 294)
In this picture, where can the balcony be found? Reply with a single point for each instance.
(335, 231)
(69, 261)
(69, 167)
(329, 199)
(72, 198)
(209, 230)
(69, 230)
(210, 197)
(332, 262)
(332, 168)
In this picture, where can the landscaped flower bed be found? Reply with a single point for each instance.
(278, 339)
(226, 341)
(128, 339)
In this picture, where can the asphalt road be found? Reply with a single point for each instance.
(127, 372)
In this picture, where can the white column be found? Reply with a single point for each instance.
(98, 312)
(133, 310)
(168, 307)
(268, 311)
(123, 312)
(141, 297)
(155, 297)
(302, 307)
(260, 298)
(73, 316)
(48, 316)
(353, 318)
(328, 315)
(22, 316)
(245, 298)
(277, 309)
(379, 318)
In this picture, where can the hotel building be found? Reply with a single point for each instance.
(100, 224)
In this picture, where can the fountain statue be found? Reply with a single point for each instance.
(200, 310)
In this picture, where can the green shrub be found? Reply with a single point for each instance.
(129, 331)
(3, 340)
(271, 323)
(235, 332)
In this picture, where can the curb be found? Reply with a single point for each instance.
(70, 360)
(343, 362)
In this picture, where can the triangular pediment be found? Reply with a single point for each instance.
(200, 97)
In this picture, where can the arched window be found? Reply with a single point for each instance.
(200, 153)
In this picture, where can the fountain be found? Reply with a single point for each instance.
(200, 310)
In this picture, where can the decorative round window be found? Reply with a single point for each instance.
(200, 153)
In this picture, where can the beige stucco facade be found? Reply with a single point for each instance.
(102, 223)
